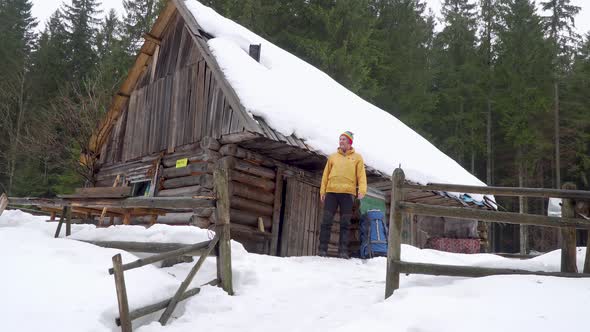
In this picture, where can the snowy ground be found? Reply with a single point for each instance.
(52, 284)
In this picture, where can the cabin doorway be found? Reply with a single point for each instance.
(300, 231)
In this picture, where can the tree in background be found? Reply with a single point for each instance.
(81, 21)
(138, 19)
(457, 72)
(523, 85)
(402, 43)
(16, 43)
(559, 25)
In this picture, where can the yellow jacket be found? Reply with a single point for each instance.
(344, 173)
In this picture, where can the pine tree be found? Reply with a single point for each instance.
(16, 42)
(486, 51)
(138, 19)
(576, 118)
(81, 21)
(457, 73)
(560, 27)
(523, 75)
(402, 43)
(112, 58)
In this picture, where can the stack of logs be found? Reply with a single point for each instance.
(252, 186)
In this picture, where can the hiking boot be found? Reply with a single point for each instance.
(343, 255)
(323, 253)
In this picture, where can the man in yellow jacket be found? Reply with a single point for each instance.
(344, 178)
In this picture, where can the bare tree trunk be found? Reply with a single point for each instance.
(16, 141)
(489, 144)
(522, 204)
(556, 124)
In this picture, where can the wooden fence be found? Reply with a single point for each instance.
(567, 223)
(220, 243)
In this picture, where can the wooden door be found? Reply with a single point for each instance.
(300, 230)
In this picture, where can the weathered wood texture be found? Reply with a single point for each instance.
(395, 236)
(3, 203)
(102, 192)
(302, 218)
(493, 216)
(224, 272)
(156, 258)
(124, 317)
(184, 286)
(503, 191)
(152, 308)
(473, 271)
(568, 234)
(276, 213)
(147, 247)
(181, 104)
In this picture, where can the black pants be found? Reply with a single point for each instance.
(332, 202)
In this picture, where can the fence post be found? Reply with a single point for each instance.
(61, 221)
(121, 294)
(69, 221)
(395, 233)
(568, 234)
(224, 273)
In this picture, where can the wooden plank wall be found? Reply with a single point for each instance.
(302, 219)
(176, 102)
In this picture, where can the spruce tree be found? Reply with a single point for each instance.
(560, 28)
(81, 22)
(456, 76)
(138, 18)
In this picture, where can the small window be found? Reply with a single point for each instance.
(141, 188)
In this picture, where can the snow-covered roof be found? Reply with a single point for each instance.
(295, 98)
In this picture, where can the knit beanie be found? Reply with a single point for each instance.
(348, 135)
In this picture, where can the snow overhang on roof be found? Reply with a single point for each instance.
(298, 100)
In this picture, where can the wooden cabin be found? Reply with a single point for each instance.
(176, 118)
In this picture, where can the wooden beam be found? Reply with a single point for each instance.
(179, 293)
(125, 320)
(473, 271)
(156, 258)
(100, 192)
(568, 234)
(502, 191)
(152, 38)
(224, 273)
(276, 213)
(147, 247)
(492, 216)
(395, 233)
(3, 203)
(152, 308)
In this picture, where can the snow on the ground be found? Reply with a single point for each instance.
(294, 97)
(63, 285)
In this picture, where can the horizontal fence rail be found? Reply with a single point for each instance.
(567, 224)
(502, 191)
(492, 216)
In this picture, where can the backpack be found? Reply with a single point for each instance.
(373, 234)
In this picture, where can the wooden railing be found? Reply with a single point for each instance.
(220, 243)
(567, 223)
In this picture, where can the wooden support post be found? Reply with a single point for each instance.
(183, 287)
(587, 259)
(61, 221)
(104, 210)
(68, 221)
(523, 229)
(568, 235)
(276, 213)
(224, 273)
(3, 203)
(52, 216)
(121, 294)
(395, 233)
(127, 219)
